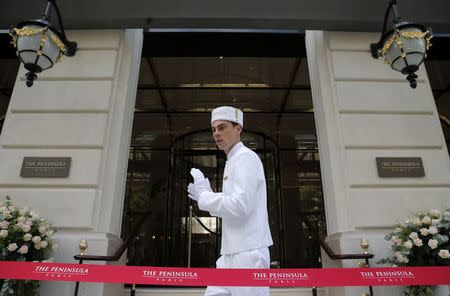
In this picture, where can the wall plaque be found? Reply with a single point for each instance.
(45, 167)
(398, 167)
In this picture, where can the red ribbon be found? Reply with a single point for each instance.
(320, 277)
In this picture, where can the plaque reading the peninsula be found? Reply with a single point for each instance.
(45, 167)
(398, 167)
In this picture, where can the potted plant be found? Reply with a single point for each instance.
(421, 240)
(24, 236)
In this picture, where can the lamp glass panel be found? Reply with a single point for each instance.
(44, 62)
(413, 44)
(415, 58)
(399, 64)
(28, 57)
(28, 42)
(392, 54)
(50, 53)
(50, 49)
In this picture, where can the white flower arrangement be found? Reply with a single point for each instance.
(24, 236)
(421, 240)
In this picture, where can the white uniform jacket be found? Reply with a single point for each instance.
(242, 204)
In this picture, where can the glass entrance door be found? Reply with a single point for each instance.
(156, 186)
(205, 243)
(197, 151)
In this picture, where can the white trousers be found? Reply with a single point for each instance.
(257, 258)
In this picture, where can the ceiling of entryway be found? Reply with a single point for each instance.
(330, 15)
(265, 75)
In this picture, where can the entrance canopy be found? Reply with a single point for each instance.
(330, 15)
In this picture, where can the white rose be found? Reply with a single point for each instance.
(424, 231)
(408, 244)
(393, 238)
(435, 221)
(4, 224)
(21, 219)
(42, 229)
(417, 222)
(444, 254)
(435, 213)
(49, 233)
(27, 237)
(418, 242)
(398, 242)
(2, 209)
(12, 207)
(23, 249)
(402, 259)
(413, 235)
(426, 220)
(3, 233)
(44, 244)
(433, 230)
(36, 239)
(433, 243)
(398, 256)
(26, 228)
(34, 214)
(12, 247)
(23, 211)
(37, 246)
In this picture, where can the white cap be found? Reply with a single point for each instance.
(228, 113)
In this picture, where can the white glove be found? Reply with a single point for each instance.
(198, 188)
(197, 175)
(192, 192)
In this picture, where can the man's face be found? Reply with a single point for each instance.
(226, 134)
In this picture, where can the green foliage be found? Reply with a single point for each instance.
(24, 236)
(19, 288)
(421, 240)
(419, 291)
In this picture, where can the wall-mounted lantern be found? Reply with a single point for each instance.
(404, 47)
(39, 44)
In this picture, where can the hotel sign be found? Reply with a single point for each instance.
(398, 167)
(45, 167)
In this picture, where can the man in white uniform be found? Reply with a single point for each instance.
(242, 204)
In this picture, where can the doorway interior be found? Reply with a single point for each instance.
(183, 76)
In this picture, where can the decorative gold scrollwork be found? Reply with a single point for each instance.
(27, 31)
(396, 37)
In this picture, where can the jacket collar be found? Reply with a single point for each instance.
(234, 150)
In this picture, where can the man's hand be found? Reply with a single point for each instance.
(197, 175)
(198, 188)
(192, 192)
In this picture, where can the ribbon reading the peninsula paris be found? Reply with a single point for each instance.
(393, 276)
